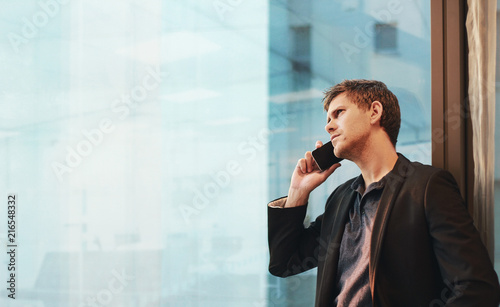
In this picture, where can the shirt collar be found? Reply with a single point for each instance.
(359, 183)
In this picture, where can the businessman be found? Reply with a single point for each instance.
(397, 235)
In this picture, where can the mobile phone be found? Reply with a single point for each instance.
(324, 156)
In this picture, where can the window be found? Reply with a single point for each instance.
(144, 139)
(301, 56)
(341, 42)
(386, 40)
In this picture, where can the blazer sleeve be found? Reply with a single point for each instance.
(292, 247)
(463, 259)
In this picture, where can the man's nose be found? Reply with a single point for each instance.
(330, 127)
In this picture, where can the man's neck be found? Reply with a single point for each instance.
(377, 163)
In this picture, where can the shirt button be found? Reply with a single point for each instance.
(362, 211)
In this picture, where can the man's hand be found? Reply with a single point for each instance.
(305, 178)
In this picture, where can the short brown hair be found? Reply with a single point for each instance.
(362, 93)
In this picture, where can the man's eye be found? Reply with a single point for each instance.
(339, 111)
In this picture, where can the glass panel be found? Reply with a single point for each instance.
(383, 40)
(143, 139)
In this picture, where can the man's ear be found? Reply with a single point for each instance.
(376, 110)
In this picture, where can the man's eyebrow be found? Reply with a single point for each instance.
(337, 108)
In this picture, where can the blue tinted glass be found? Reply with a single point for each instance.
(315, 45)
(143, 139)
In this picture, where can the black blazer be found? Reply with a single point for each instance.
(425, 250)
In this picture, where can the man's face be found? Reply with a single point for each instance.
(348, 126)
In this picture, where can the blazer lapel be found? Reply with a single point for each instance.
(392, 187)
(329, 269)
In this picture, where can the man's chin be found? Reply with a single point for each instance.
(340, 153)
(337, 152)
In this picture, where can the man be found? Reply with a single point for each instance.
(397, 235)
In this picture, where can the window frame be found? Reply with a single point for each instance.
(451, 124)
